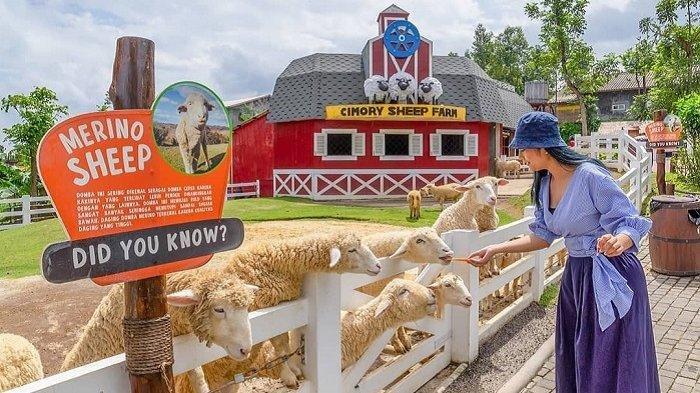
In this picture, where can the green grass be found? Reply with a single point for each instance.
(549, 296)
(172, 155)
(679, 183)
(21, 248)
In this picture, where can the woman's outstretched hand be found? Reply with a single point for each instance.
(612, 246)
(482, 257)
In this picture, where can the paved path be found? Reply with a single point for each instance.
(675, 309)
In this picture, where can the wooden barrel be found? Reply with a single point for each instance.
(674, 240)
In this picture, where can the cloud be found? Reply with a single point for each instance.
(238, 48)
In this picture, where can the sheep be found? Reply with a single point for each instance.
(503, 166)
(401, 302)
(278, 268)
(402, 88)
(429, 90)
(461, 215)
(205, 302)
(376, 89)
(191, 131)
(486, 218)
(447, 192)
(414, 199)
(20, 362)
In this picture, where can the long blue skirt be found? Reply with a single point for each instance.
(620, 359)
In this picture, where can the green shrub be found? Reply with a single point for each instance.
(688, 163)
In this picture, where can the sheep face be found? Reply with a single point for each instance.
(219, 312)
(484, 190)
(354, 257)
(424, 245)
(407, 300)
(429, 90)
(196, 108)
(402, 86)
(453, 290)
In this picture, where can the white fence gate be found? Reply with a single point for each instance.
(454, 338)
(24, 210)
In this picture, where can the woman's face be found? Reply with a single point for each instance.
(536, 159)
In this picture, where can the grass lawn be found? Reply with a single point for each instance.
(549, 296)
(21, 248)
(172, 155)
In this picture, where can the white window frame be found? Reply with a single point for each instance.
(467, 134)
(404, 131)
(353, 131)
(620, 107)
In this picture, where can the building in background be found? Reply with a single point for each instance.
(616, 97)
(244, 109)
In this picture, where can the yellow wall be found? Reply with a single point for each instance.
(568, 112)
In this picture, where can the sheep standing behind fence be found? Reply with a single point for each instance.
(414, 199)
(20, 362)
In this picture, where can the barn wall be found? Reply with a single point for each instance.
(252, 147)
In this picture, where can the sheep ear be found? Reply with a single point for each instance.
(183, 298)
(502, 182)
(181, 108)
(253, 288)
(383, 305)
(400, 251)
(434, 286)
(335, 256)
(209, 106)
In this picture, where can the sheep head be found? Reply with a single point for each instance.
(402, 86)
(423, 245)
(196, 109)
(429, 90)
(483, 191)
(217, 306)
(452, 290)
(376, 88)
(349, 254)
(405, 300)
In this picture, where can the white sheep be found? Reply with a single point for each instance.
(211, 305)
(414, 199)
(444, 193)
(402, 88)
(503, 166)
(461, 215)
(376, 89)
(401, 302)
(20, 362)
(429, 90)
(278, 268)
(191, 132)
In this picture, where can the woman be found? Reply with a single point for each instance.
(604, 337)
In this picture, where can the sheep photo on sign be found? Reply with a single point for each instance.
(191, 127)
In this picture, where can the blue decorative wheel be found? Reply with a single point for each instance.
(402, 38)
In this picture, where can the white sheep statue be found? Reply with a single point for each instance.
(191, 131)
(20, 362)
(414, 199)
(429, 90)
(402, 88)
(278, 268)
(400, 302)
(211, 305)
(376, 89)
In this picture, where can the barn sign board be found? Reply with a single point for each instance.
(664, 134)
(396, 112)
(140, 193)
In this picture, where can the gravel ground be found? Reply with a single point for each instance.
(505, 352)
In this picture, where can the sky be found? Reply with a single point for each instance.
(238, 48)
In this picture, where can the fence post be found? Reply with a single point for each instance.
(26, 207)
(257, 188)
(538, 274)
(465, 322)
(322, 337)
(640, 183)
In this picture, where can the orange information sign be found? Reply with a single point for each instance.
(664, 134)
(138, 189)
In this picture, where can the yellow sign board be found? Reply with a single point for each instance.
(396, 112)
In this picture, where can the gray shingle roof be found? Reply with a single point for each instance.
(625, 81)
(310, 83)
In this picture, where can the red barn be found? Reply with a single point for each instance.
(322, 140)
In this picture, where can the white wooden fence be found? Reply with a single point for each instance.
(237, 190)
(454, 338)
(24, 210)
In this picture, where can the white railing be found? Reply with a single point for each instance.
(333, 184)
(22, 211)
(238, 190)
(454, 338)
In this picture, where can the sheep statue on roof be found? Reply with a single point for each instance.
(429, 90)
(402, 88)
(376, 89)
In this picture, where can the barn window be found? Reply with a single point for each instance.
(339, 144)
(453, 145)
(397, 144)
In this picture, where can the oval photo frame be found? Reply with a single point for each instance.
(191, 127)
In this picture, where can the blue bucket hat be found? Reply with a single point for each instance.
(537, 130)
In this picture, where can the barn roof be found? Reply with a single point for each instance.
(310, 83)
(625, 81)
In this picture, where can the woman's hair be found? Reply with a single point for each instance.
(565, 156)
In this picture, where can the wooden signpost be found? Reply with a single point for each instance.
(138, 199)
(664, 133)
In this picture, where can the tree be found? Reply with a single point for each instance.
(106, 104)
(38, 111)
(482, 48)
(688, 109)
(510, 51)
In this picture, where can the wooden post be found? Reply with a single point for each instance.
(133, 87)
(660, 158)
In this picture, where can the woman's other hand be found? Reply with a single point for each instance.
(612, 246)
(482, 257)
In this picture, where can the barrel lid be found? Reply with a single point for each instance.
(672, 199)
